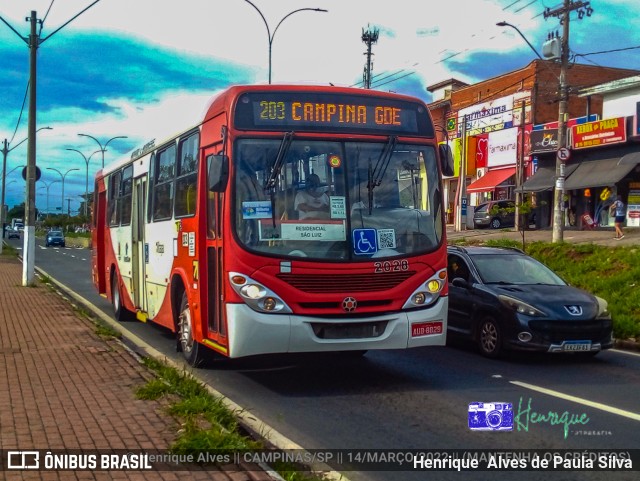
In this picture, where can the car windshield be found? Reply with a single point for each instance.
(514, 269)
(55, 233)
(481, 208)
(334, 200)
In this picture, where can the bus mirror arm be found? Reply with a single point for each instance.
(446, 159)
(218, 172)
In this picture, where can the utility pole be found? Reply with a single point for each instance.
(33, 42)
(29, 245)
(369, 37)
(563, 13)
(519, 225)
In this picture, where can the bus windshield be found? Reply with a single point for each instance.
(336, 200)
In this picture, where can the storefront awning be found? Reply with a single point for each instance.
(597, 173)
(490, 180)
(545, 178)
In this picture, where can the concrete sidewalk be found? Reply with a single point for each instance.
(64, 387)
(602, 236)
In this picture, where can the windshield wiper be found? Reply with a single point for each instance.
(276, 167)
(270, 182)
(377, 174)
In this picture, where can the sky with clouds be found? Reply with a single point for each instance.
(146, 69)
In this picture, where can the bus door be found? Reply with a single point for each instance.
(216, 326)
(138, 260)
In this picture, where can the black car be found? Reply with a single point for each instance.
(502, 298)
(54, 238)
(495, 214)
(13, 233)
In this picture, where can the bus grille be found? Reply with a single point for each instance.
(323, 283)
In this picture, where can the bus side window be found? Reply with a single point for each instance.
(164, 178)
(113, 215)
(187, 177)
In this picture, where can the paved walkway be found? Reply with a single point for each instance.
(63, 387)
(601, 236)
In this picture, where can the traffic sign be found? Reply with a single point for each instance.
(564, 153)
(38, 173)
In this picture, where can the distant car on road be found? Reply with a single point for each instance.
(55, 238)
(495, 214)
(504, 299)
(13, 233)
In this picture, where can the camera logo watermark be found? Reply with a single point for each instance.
(23, 460)
(496, 416)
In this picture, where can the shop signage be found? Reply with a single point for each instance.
(570, 122)
(502, 148)
(601, 132)
(544, 141)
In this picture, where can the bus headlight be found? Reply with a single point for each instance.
(257, 296)
(428, 292)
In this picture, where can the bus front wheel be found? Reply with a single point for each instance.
(192, 351)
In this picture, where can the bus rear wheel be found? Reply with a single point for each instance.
(120, 312)
(192, 351)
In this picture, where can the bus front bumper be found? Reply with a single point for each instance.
(252, 333)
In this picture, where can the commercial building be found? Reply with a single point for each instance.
(502, 129)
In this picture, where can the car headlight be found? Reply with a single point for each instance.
(256, 295)
(521, 307)
(603, 308)
(428, 292)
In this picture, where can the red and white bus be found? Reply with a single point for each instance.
(206, 232)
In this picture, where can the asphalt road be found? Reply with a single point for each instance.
(415, 399)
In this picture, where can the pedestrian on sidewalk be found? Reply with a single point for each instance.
(618, 209)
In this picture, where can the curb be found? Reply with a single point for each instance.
(251, 423)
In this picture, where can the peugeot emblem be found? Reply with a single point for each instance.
(349, 304)
(574, 310)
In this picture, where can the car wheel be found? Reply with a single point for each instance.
(495, 223)
(489, 338)
(120, 312)
(192, 351)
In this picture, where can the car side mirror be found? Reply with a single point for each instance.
(218, 172)
(460, 282)
(446, 159)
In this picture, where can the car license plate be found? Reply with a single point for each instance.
(430, 328)
(576, 346)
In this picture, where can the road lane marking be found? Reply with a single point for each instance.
(578, 400)
(637, 354)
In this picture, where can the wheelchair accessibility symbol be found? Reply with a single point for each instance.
(364, 241)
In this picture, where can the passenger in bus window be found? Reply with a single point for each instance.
(312, 202)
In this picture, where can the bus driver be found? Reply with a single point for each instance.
(312, 202)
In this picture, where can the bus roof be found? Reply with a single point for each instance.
(224, 101)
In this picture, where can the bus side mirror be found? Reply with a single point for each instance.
(218, 170)
(446, 159)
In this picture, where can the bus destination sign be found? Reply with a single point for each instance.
(331, 112)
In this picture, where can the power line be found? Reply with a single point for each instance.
(45, 17)
(607, 51)
(24, 101)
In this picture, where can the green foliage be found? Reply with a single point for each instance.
(610, 273)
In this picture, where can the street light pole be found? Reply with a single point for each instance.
(506, 24)
(86, 190)
(63, 176)
(103, 149)
(47, 185)
(270, 35)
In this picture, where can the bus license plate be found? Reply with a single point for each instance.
(576, 346)
(430, 328)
